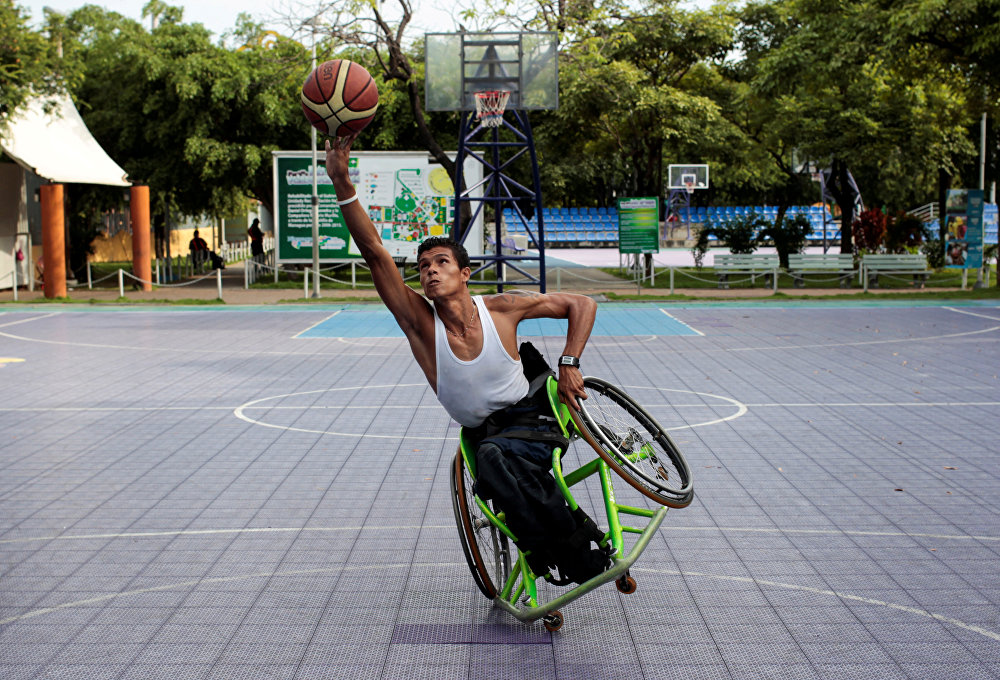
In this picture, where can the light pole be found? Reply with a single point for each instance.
(315, 171)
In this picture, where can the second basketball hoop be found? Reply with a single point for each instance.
(490, 106)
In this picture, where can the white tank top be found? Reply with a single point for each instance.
(472, 390)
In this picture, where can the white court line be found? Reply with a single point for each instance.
(441, 565)
(672, 350)
(239, 412)
(819, 591)
(449, 527)
(298, 335)
(693, 330)
(962, 311)
(34, 318)
(897, 404)
(435, 407)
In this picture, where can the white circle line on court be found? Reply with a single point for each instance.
(344, 568)
(285, 530)
(240, 412)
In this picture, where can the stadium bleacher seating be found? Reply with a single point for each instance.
(598, 226)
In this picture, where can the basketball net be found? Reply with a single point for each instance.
(490, 107)
(690, 187)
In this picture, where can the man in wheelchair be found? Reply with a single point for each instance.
(467, 348)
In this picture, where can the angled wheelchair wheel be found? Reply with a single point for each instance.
(633, 444)
(489, 552)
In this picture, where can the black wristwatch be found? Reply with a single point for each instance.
(569, 360)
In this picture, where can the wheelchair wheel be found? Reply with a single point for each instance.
(487, 549)
(633, 444)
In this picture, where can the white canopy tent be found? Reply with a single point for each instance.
(57, 145)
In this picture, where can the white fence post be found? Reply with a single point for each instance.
(218, 279)
(13, 275)
(305, 283)
(121, 283)
(89, 281)
(246, 276)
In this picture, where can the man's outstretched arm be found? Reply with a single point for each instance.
(404, 303)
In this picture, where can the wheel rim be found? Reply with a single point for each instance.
(635, 445)
(488, 548)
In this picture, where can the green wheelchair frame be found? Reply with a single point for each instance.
(511, 584)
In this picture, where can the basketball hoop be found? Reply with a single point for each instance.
(490, 107)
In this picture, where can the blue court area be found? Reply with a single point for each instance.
(197, 493)
(368, 321)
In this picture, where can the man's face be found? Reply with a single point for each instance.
(439, 273)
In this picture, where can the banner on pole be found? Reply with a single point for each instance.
(963, 243)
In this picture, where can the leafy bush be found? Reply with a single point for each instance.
(933, 250)
(739, 233)
(869, 231)
(904, 234)
(790, 237)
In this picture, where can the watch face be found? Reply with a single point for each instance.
(568, 361)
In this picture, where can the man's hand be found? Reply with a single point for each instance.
(571, 386)
(338, 155)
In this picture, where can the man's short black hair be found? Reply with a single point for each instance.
(457, 249)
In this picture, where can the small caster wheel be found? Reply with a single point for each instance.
(553, 621)
(626, 584)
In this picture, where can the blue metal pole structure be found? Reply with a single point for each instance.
(499, 190)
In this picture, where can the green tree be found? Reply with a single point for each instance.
(848, 107)
(630, 97)
(194, 120)
(28, 62)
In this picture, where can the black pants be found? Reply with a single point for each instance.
(522, 487)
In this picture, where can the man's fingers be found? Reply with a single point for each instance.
(327, 143)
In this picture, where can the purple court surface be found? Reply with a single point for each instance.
(217, 493)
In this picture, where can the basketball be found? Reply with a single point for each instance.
(339, 98)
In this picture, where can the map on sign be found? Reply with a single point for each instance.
(415, 205)
(407, 198)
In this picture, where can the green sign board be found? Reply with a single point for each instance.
(407, 198)
(639, 225)
(963, 247)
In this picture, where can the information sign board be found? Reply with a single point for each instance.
(963, 247)
(639, 225)
(407, 197)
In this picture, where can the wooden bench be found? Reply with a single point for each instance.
(873, 265)
(837, 264)
(752, 264)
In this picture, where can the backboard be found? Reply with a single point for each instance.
(687, 177)
(459, 64)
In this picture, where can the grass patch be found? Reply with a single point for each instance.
(925, 294)
(705, 278)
